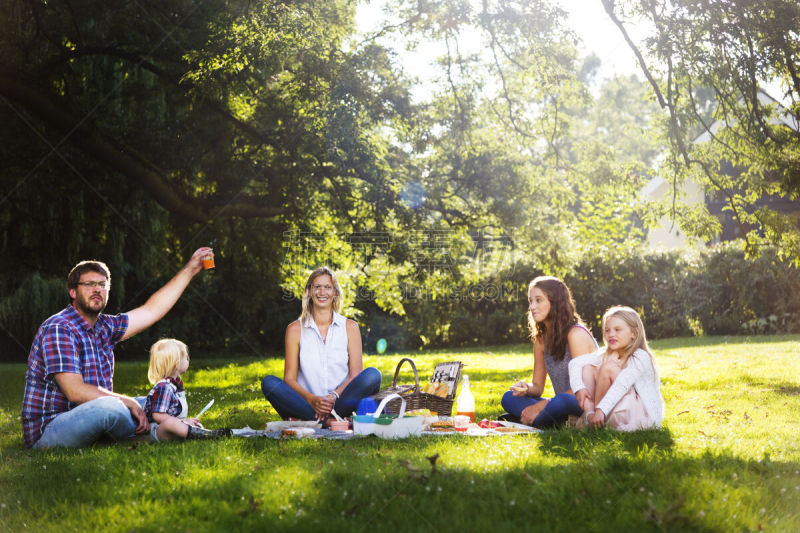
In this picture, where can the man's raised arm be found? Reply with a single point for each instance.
(164, 298)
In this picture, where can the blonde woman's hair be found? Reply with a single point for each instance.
(632, 319)
(165, 356)
(308, 303)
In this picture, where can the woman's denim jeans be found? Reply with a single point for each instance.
(554, 413)
(289, 404)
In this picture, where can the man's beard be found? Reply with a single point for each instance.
(89, 307)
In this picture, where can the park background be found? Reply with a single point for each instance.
(438, 154)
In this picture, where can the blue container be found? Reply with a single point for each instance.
(366, 406)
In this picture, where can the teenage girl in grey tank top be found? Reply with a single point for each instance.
(558, 335)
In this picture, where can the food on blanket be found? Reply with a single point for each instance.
(419, 412)
(504, 429)
(297, 433)
(280, 425)
(443, 424)
(442, 390)
(489, 424)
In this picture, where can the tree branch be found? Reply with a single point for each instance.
(670, 103)
(609, 7)
(174, 81)
(123, 159)
(509, 100)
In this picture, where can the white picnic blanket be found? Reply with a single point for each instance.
(311, 429)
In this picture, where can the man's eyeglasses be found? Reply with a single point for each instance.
(93, 284)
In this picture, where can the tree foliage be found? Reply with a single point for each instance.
(135, 132)
(707, 63)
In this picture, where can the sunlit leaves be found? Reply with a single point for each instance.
(730, 51)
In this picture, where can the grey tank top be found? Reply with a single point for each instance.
(559, 370)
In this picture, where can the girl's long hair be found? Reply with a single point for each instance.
(308, 303)
(634, 321)
(562, 316)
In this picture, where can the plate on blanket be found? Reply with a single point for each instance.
(514, 427)
(280, 425)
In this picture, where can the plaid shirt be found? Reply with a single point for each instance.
(163, 398)
(66, 343)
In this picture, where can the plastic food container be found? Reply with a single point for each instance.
(335, 425)
(388, 426)
(363, 424)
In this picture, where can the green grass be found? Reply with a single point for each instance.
(727, 459)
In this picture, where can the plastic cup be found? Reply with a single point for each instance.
(461, 422)
(208, 262)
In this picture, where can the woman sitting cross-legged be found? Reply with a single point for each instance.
(323, 369)
(558, 335)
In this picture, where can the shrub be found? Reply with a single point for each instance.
(730, 294)
(649, 283)
(716, 291)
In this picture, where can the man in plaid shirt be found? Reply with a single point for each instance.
(69, 398)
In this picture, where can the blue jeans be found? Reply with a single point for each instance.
(554, 413)
(105, 417)
(289, 404)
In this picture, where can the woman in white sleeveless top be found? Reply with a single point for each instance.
(323, 369)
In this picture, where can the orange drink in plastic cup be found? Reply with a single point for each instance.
(208, 262)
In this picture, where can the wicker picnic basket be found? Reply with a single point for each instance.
(449, 373)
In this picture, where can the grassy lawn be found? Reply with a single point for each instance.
(727, 459)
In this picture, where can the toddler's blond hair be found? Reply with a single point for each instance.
(165, 356)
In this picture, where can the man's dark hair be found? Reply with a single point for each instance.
(86, 266)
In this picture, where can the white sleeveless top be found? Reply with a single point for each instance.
(323, 365)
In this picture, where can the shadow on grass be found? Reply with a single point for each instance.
(762, 385)
(614, 483)
(789, 390)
